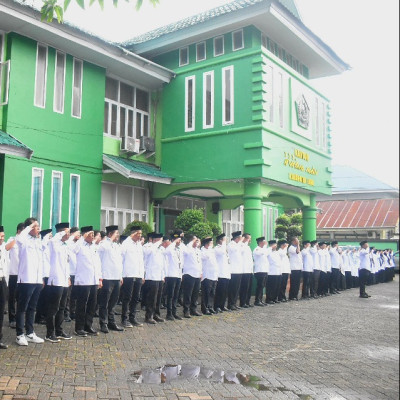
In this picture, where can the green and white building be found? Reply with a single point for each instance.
(217, 111)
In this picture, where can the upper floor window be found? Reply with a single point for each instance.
(219, 46)
(208, 99)
(237, 40)
(56, 198)
(59, 83)
(227, 96)
(190, 103)
(74, 199)
(37, 194)
(40, 77)
(201, 51)
(4, 73)
(183, 56)
(126, 110)
(77, 88)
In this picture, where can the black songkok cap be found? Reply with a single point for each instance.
(314, 242)
(206, 240)
(260, 239)
(220, 237)
(111, 228)
(281, 242)
(157, 235)
(1, 228)
(306, 242)
(136, 228)
(165, 239)
(236, 234)
(271, 242)
(334, 242)
(62, 225)
(150, 235)
(175, 236)
(321, 243)
(86, 229)
(45, 232)
(363, 242)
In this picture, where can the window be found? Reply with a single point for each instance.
(77, 89)
(59, 83)
(56, 197)
(237, 40)
(4, 73)
(280, 98)
(37, 194)
(270, 93)
(323, 127)
(208, 99)
(40, 78)
(233, 220)
(74, 200)
(121, 204)
(183, 56)
(126, 110)
(218, 46)
(227, 96)
(201, 51)
(316, 126)
(190, 104)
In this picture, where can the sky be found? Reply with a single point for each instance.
(364, 100)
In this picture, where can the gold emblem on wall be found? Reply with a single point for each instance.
(302, 112)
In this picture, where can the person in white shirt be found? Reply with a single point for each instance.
(109, 251)
(132, 276)
(58, 283)
(296, 268)
(336, 266)
(286, 271)
(316, 269)
(13, 276)
(30, 281)
(323, 255)
(87, 280)
(173, 276)
(143, 291)
(274, 274)
(192, 269)
(154, 275)
(246, 282)
(347, 268)
(355, 263)
(209, 276)
(365, 268)
(224, 274)
(4, 260)
(261, 268)
(235, 253)
(308, 270)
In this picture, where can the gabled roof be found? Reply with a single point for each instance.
(136, 169)
(342, 214)
(350, 180)
(12, 146)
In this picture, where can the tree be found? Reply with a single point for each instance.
(56, 8)
(146, 228)
(289, 226)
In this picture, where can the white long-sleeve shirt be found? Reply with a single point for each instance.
(296, 259)
(59, 261)
(285, 263)
(275, 263)
(365, 262)
(315, 256)
(192, 261)
(46, 255)
(132, 259)
(72, 245)
(336, 262)
(88, 264)
(235, 253)
(154, 267)
(111, 260)
(13, 257)
(221, 255)
(308, 260)
(248, 263)
(4, 261)
(173, 266)
(30, 268)
(261, 263)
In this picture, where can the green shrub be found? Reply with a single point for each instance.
(201, 230)
(281, 231)
(146, 228)
(294, 231)
(283, 220)
(216, 229)
(296, 219)
(189, 218)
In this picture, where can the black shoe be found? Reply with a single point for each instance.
(177, 317)
(117, 313)
(91, 332)
(218, 310)
(96, 315)
(12, 324)
(226, 309)
(63, 336)
(135, 323)
(207, 312)
(72, 317)
(367, 294)
(212, 311)
(364, 296)
(52, 339)
(259, 304)
(150, 321)
(187, 315)
(196, 314)
(250, 305)
(170, 318)
(114, 327)
(67, 319)
(270, 302)
(3, 346)
(237, 307)
(162, 307)
(81, 333)
(104, 328)
(158, 319)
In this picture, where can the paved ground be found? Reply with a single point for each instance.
(339, 347)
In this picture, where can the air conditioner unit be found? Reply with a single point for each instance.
(147, 144)
(130, 145)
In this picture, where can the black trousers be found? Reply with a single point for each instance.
(108, 297)
(57, 298)
(41, 306)
(28, 295)
(364, 276)
(356, 281)
(261, 279)
(12, 297)
(233, 289)
(246, 284)
(3, 299)
(191, 289)
(273, 286)
(86, 299)
(172, 286)
(282, 286)
(322, 283)
(295, 279)
(70, 306)
(335, 279)
(153, 298)
(328, 281)
(314, 287)
(349, 280)
(307, 277)
(130, 291)
(221, 293)
(207, 288)
(143, 294)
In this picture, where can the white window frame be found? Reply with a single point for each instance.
(233, 40)
(45, 76)
(205, 76)
(182, 64)
(223, 46)
(232, 104)
(270, 93)
(53, 173)
(2, 41)
(78, 195)
(198, 59)
(63, 83)
(77, 60)
(193, 99)
(41, 191)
